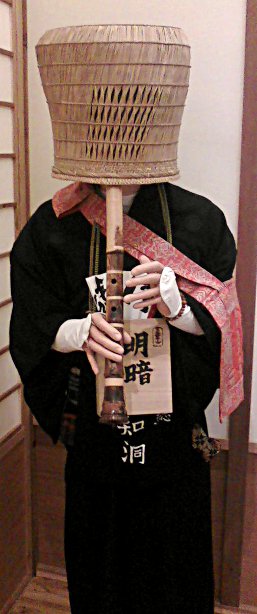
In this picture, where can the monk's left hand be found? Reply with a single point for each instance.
(147, 273)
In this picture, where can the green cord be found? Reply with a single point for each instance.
(97, 249)
(94, 255)
(91, 267)
(165, 211)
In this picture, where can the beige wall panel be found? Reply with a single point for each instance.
(8, 373)
(6, 130)
(7, 229)
(6, 78)
(5, 26)
(5, 314)
(50, 496)
(6, 181)
(10, 413)
(5, 290)
(13, 520)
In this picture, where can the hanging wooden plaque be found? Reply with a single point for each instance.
(147, 369)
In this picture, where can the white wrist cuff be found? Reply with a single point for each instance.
(169, 292)
(72, 334)
(188, 323)
(171, 296)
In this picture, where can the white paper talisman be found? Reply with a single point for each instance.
(97, 287)
(147, 369)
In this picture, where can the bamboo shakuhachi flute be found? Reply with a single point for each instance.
(116, 95)
(114, 404)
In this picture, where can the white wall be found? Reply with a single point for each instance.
(210, 141)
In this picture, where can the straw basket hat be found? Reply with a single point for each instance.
(116, 95)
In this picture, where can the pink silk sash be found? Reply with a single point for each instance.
(219, 298)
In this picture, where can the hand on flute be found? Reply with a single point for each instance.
(152, 274)
(93, 335)
(104, 339)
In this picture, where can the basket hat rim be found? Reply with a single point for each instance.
(44, 39)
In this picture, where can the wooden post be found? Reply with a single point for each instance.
(114, 411)
(246, 285)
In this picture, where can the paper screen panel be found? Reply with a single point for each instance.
(5, 26)
(5, 314)
(7, 229)
(6, 78)
(8, 373)
(6, 130)
(5, 289)
(10, 413)
(6, 181)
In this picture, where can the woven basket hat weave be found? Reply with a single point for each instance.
(116, 95)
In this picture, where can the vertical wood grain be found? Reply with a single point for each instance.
(21, 194)
(246, 284)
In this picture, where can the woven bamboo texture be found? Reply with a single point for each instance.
(116, 95)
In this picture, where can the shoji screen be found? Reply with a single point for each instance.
(10, 401)
(15, 444)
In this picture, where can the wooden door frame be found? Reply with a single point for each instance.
(22, 214)
(18, 440)
(246, 286)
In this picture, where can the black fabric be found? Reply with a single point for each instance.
(139, 546)
(49, 263)
(137, 536)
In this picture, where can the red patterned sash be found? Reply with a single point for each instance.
(220, 299)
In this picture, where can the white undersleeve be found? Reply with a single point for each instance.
(71, 335)
(171, 296)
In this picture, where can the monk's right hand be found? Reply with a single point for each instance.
(104, 339)
(92, 335)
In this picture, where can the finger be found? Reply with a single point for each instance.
(143, 259)
(126, 337)
(105, 341)
(99, 321)
(153, 301)
(92, 361)
(151, 278)
(131, 298)
(99, 349)
(147, 267)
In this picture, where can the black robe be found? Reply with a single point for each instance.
(138, 536)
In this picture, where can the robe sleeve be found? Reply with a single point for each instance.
(39, 308)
